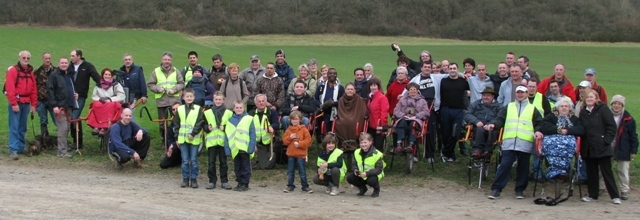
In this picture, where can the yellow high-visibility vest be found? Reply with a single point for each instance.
(519, 126)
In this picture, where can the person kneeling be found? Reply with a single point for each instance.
(331, 166)
(368, 167)
(128, 140)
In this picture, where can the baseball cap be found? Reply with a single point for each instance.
(254, 58)
(590, 71)
(585, 84)
(522, 88)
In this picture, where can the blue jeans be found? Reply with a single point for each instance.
(189, 155)
(75, 114)
(302, 171)
(42, 110)
(285, 122)
(504, 171)
(18, 127)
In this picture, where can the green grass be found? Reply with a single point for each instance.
(616, 65)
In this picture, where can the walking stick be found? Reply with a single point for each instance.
(33, 129)
(266, 129)
(77, 124)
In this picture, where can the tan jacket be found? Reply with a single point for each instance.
(166, 100)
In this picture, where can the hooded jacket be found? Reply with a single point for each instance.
(304, 141)
(134, 80)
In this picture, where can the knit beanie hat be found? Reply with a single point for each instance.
(618, 98)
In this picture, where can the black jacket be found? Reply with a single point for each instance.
(627, 138)
(57, 93)
(548, 126)
(306, 104)
(85, 72)
(478, 111)
(134, 80)
(601, 129)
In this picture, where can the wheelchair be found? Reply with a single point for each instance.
(569, 175)
(482, 163)
(345, 144)
(420, 132)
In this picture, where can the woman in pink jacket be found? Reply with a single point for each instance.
(411, 108)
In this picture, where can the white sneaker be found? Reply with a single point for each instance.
(430, 160)
(334, 191)
(617, 201)
(415, 159)
(588, 199)
(327, 190)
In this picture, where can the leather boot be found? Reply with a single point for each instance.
(185, 182)
(194, 183)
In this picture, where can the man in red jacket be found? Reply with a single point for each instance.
(565, 85)
(22, 94)
(590, 76)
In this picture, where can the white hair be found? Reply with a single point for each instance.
(564, 99)
(403, 69)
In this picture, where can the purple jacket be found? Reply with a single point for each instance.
(417, 102)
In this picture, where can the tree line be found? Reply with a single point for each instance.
(516, 20)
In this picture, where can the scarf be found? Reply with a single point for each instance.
(218, 111)
(336, 88)
(104, 84)
(564, 121)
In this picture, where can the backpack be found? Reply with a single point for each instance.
(18, 77)
(226, 85)
(200, 90)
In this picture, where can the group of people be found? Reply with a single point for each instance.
(237, 113)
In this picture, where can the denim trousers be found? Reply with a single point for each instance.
(189, 155)
(18, 127)
(298, 163)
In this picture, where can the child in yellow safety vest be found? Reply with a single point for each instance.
(215, 119)
(189, 124)
(241, 141)
(298, 140)
(367, 167)
(331, 166)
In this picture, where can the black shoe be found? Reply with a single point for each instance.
(243, 188)
(376, 192)
(494, 194)
(194, 183)
(363, 190)
(185, 182)
(236, 188)
(464, 152)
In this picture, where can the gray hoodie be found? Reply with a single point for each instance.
(517, 144)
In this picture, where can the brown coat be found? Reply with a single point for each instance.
(304, 141)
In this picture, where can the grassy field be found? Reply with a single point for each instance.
(616, 65)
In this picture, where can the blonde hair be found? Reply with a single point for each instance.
(366, 136)
(233, 66)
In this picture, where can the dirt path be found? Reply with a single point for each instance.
(77, 193)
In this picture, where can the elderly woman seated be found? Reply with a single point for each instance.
(108, 97)
(410, 108)
(559, 143)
